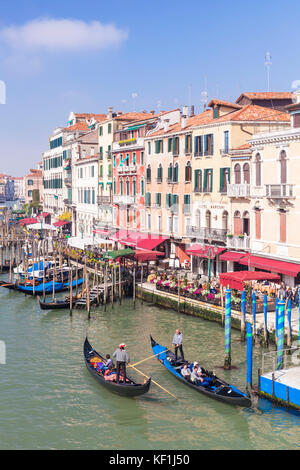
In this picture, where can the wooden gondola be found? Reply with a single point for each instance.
(7, 285)
(127, 389)
(56, 304)
(217, 388)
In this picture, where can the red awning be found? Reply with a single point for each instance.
(138, 239)
(147, 255)
(202, 251)
(235, 280)
(282, 267)
(151, 242)
(100, 231)
(232, 256)
(60, 223)
(28, 220)
(44, 214)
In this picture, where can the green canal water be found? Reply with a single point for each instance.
(48, 400)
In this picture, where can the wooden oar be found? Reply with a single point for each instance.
(164, 389)
(143, 360)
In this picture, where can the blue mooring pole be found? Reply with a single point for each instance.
(280, 332)
(227, 360)
(289, 318)
(276, 321)
(254, 314)
(249, 355)
(299, 318)
(266, 319)
(243, 315)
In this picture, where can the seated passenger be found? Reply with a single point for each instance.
(109, 362)
(196, 375)
(185, 372)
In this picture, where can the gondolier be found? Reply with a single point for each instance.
(177, 343)
(121, 358)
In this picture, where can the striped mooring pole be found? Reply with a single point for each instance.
(276, 321)
(266, 320)
(299, 319)
(243, 315)
(280, 333)
(289, 317)
(254, 314)
(249, 355)
(227, 360)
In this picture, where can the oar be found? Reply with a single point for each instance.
(164, 389)
(143, 360)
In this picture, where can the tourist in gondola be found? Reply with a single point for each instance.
(121, 358)
(109, 363)
(177, 343)
(186, 372)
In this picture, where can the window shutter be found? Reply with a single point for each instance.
(169, 145)
(212, 144)
(196, 143)
(221, 179)
(211, 181)
(205, 181)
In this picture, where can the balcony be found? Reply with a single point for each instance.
(204, 233)
(68, 181)
(67, 202)
(238, 190)
(279, 191)
(104, 200)
(124, 199)
(127, 170)
(108, 155)
(240, 242)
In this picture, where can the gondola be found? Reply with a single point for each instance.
(56, 304)
(217, 389)
(127, 389)
(7, 285)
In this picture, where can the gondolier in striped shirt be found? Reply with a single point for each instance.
(177, 343)
(121, 358)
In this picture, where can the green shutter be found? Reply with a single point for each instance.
(211, 181)
(169, 144)
(205, 180)
(221, 179)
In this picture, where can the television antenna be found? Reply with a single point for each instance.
(204, 96)
(268, 64)
(134, 95)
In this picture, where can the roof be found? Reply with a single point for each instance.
(243, 147)
(266, 95)
(79, 126)
(133, 116)
(100, 117)
(217, 102)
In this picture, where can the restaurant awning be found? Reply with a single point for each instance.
(232, 256)
(138, 239)
(28, 220)
(236, 279)
(202, 251)
(100, 232)
(282, 267)
(44, 214)
(147, 255)
(118, 253)
(60, 223)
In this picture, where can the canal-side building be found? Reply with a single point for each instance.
(19, 188)
(33, 182)
(265, 187)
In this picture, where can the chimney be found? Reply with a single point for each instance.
(185, 111)
(183, 122)
(119, 113)
(152, 111)
(166, 125)
(110, 112)
(192, 111)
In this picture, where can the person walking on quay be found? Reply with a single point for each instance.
(177, 343)
(282, 292)
(121, 358)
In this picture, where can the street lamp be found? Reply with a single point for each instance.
(211, 252)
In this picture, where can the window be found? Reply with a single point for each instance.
(92, 171)
(170, 172)
(115, 186)
(282, 221)
(114, 162)
(258, 224)
(198, 146)
(127, 186)
(101, 153)
(101, 171)
(142, 187)
(168, 200)
(225, 220)
(158, 199)
(188, 172)
(187, 204)
(30, 183)
(148, 174)
(159, 173)
(246, 223)
(175, 146)
(283, 173)
(208, 180)
(226, 141)
(109, 171)
(109, 128)
(170, 224)
(149, 148)
(134, 158)
(258, 170)
(175, 224)
(216, 112)
(149, 221)
(170, 144)
(188, 144)
(198, 181)
(208, 220)
(159, 148)
(237, 173)
(159, 223)
(148, 200)
(101, 130)
(93, 196)
(246, 173)
(224, 179)
(121, 186)
(237, 223)
(175, 173)
(142, 158)
(134, 186)
(29, 193)
(209, 144)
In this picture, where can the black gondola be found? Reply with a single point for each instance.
(57, 304)
(217, 388)
(8, 285)
(127, 389)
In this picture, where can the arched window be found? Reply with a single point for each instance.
(258, 170)
(198, 218)
(142, 187)
(283, 174)
(170, 172)
(208, 220)
(237, 223)
(188, 172)
(175, 173)
(246, 223)
(225, 220)
(121, 186)
(237, 173)
(246, 173)
(148, 174)
(127, 186)
(159, 173)
(134, 186)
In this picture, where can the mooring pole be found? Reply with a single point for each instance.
(289, 316)
(280, 332)
(249, 355)
(266, 319)
(254, 314)
(227, 361)
(276, 321)
(243, 315)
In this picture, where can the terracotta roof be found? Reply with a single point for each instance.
(243, 147)
(266, 95)
(79, 126)
(100, 117)
(133, 116)
(88, 157)
(217, 102)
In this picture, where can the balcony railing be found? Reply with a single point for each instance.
(68, 181)
(104, 199)
(279, 191)
(238, 190)
(68, 202)
(126, 170)
(241, 242)
(124, 199)
(108, 155)
(204, 233)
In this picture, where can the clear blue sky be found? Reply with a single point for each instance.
(157, 49)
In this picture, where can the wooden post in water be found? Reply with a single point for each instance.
(265, 320)
(120, 284)
(112, 286)
(142, 268)
(133, 287)
(105, 287)
(227, 360)
(222, 304)
(71, 286)
(178, 304)
(280, 340)
(243, 316)
(97, 281)
(44, 269)
(87, 290)
(289, 318)
(254, 314)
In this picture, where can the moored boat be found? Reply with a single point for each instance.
(216, 387)
(56, 304)
(126, 389)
